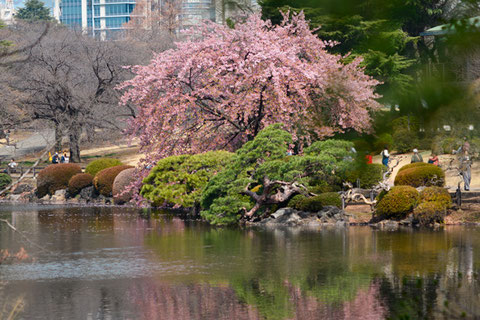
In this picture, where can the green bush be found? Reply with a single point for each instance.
(121, 182)
(5, 180)
(369, 175)
(398, 202)
(104, 179)
(413, 165)
(362, 145)
(406, 123)
(295, 201)
(425, 175)
(55, 177)
(430, 212)
(316, 203)
(78, 182)
(322, 188)
(405, 140)
(385, 139)
(445, 145)
(180, 180)
(436, 194)
(98, 165)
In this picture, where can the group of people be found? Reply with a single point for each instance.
(56, 158)
(464, 158)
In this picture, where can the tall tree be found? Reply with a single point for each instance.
(68, 81)
(221, 88)
(34, 10)
(384, 33)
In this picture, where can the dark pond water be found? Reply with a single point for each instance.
(111, 263)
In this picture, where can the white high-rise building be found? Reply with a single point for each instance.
(7, 11)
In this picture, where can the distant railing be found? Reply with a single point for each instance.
(20, 170)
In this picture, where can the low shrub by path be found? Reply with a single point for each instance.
(55, 177)
(421, 175)
(79, 182)
(398, 202)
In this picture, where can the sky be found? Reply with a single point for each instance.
(19, 3)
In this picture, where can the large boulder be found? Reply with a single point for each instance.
(122, 180)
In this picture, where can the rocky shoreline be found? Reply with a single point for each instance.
(284, 217)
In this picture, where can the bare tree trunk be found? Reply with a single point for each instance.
(58, 138)
(74, 137)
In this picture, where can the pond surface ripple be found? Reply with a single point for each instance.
(113, 263)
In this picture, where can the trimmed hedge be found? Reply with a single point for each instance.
(5, 180)
(437, 194)
(103, 181)
(78, 182)
(55, 177)
(316, 203)
(296, 200)
(430, 212)
(98, 165)
(398, 202)
(425, 175)
(122, 180)
(413, 165)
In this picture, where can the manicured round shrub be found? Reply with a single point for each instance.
(425, 175)
(98, 165)
(430, 212)
(5, 180)
(122, 180)
(296, 200)
(55, 177)
(398, 202)
(78, 182)
(316, 203)
(436, 194)
(104, 179)
(413, 165)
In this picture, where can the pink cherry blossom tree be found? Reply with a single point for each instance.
(222, 86)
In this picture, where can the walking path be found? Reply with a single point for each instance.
(34, 143)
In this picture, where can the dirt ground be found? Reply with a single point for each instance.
(451, 175)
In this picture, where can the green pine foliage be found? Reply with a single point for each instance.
(5, 180)
(180, 180)
(223, 200)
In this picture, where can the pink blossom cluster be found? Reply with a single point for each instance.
(222, 86)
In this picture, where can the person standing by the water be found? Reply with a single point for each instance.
(464, 148)
(465, 170)
(385, 156)
(416, 157)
